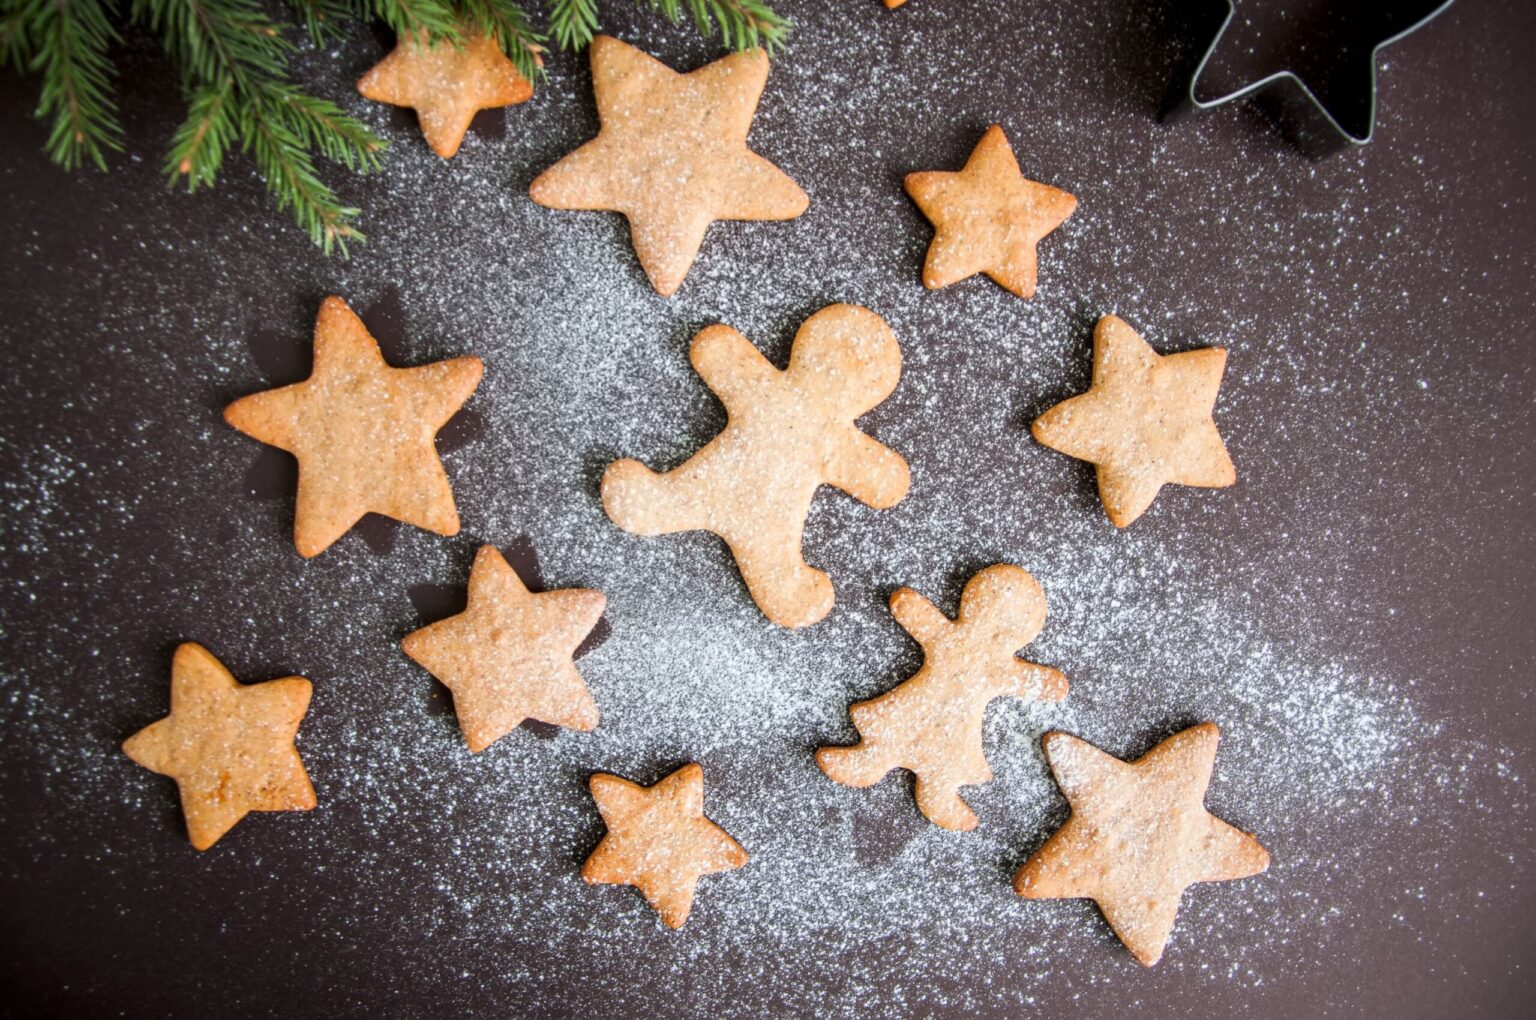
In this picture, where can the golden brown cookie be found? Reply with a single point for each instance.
(788, 432)
(931, 724)
(228, 745)
(510, 655)
(987, 218)
(363, 432)
(659, 841)
(446, 84)
(671, 155)
(1138, 835)
(1146, 421)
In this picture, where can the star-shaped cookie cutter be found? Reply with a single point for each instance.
(1315, 128)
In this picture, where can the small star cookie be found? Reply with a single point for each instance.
(987, 218)
(1145, 421)
(672, 156)
(228, 745)
(931, 724)
(363, 432)
(510, 655)
(788, 433)
(446, 84)
(659, 841)
(1138, 835)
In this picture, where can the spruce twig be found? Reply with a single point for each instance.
(69, 42)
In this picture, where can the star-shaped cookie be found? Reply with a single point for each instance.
(1138, 835)
(659, 841)
(671, 155)
(510, 655)
(446, 84)
(363, 432)
(987, 218)
(228, 745)
(1145, 421)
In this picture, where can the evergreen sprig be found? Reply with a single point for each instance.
(742, 24)
(233, 60)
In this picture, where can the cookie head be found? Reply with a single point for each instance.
(849, 352)
(1007, 600)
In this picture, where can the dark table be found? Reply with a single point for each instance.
(1355, 613)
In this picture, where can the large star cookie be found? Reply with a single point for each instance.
(987, 218)
(659, 841)
(446, 84)
(931, 724)
(363, 432)
(788, 433)
(671, 155)
(1138, 835)
(509, 655)
(229, 746)
(1146, 421)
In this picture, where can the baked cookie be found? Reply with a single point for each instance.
(1146, 421)
(1138, 835)
(931, 724)
(788, 433)
(446, 84)
(228, 745)
(363, 432)
(659, 841)
(987, 218)
(510, 655)
(671, 155)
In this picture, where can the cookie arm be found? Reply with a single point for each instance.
(918, 617)
(1032, 680)
(730, 366)
(868, 470)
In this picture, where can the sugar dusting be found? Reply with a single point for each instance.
(852, 904)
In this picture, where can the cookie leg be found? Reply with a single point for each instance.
(789, 591)
(939, 800)
(852, 766)
(644, 502)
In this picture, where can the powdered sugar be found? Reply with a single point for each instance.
(1233, 606)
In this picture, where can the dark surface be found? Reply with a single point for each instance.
(1379, 407)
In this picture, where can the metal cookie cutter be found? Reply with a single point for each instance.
(1331, 114)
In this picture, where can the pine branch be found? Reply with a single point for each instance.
(743, 24)
(437, 18)
(284, 161)
(15, 46)
(508, 24)
(573, 22)
(323, 125)
(197, 150)
(324, 21)
(207, 39)
(234, 60)
(69, 39)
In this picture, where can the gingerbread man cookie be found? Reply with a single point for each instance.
(932, 723)
(1138, 835)
(659, 840)
(228, 745)
(788, 433)
(671, 155)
